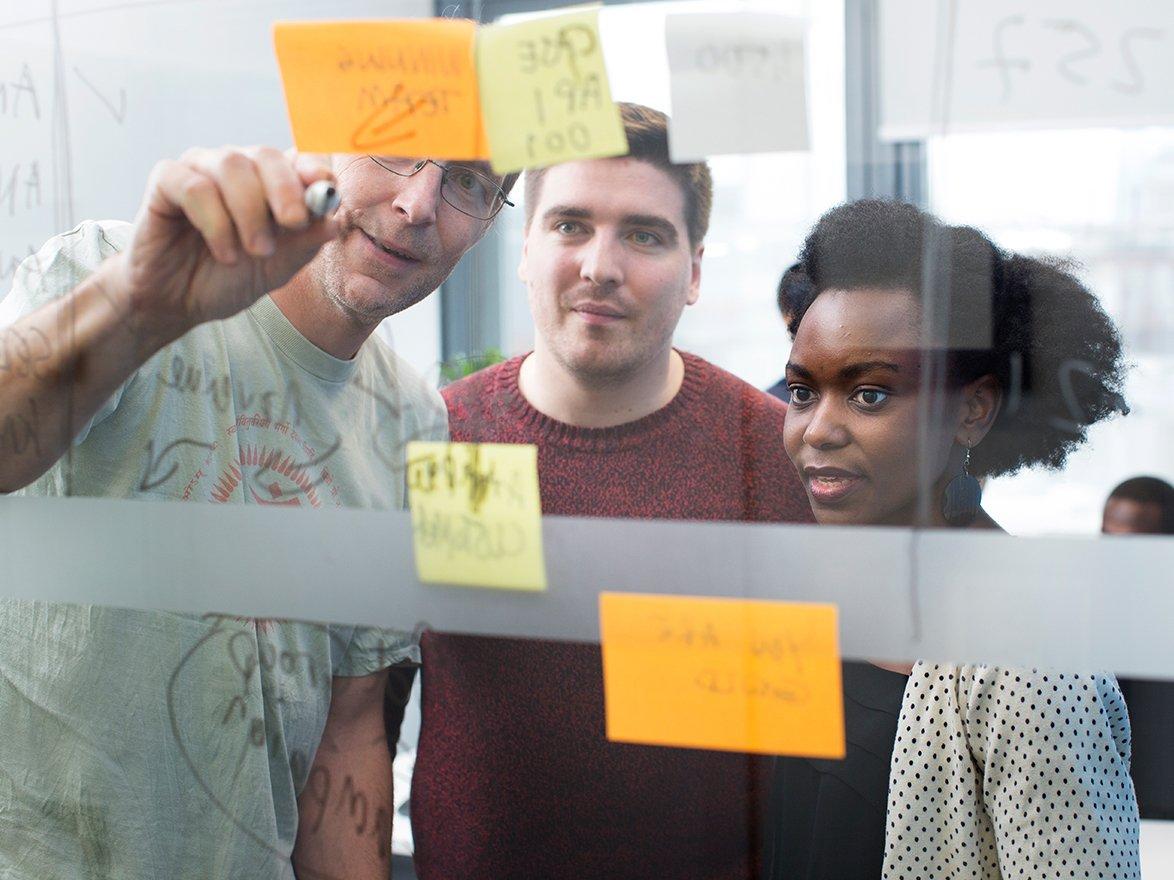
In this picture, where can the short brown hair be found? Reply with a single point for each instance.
(648, 141)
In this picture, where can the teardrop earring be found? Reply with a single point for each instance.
(963, 497)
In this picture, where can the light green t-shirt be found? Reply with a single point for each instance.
(149, 744)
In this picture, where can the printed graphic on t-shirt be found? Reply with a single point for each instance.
(272, 465)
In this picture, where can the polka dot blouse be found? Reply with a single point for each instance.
(1010, 773)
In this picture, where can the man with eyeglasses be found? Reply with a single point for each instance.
(217, 350)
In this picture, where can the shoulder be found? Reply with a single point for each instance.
(476, 385)
(1024, 678)
(995, 700)
(420, 404)
(61, 264)
(748, 424)
(1063, 696)
(722, 388)
(719, 398)
(477, 399)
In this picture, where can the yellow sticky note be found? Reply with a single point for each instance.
(725, 674)
(392, 88)
(544, 93)
(476, 514)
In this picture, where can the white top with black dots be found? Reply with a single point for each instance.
(1010, 773)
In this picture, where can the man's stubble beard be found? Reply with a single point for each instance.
(332, 276)
(608, 373)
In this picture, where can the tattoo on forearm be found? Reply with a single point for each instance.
(325, 795)
(23, 353)
(20, 431)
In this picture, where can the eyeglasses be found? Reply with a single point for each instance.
(466, 189)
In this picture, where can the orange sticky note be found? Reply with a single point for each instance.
(725, 674)
(393, 88)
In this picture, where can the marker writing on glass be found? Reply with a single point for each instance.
(321, 198)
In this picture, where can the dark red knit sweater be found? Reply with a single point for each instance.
(515, 777)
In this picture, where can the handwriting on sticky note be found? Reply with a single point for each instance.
(404, 88)
(726, 674)
(476, 514)
(545, 94)
(737, 82)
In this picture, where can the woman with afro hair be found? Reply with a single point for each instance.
(925, 359)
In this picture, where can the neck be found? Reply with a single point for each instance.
(911, 518)
(562, 395)
(318, 318)
(912, 514)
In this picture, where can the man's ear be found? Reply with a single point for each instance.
(525, 252)
(695, 280)
(981, 401)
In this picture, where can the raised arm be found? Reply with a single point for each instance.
(217, 229)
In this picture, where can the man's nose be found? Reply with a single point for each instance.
(418, 197)
(602, 261)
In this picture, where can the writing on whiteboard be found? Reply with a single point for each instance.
(18, 96)
(1073, 51)
(1013, 64)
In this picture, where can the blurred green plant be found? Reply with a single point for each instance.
(460, 365)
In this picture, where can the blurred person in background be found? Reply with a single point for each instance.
(951, 771)
(1145, 506)
(794, 288)
(1140, 506)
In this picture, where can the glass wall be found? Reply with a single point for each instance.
(503, 561)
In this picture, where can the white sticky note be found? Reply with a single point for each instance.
(738, 84)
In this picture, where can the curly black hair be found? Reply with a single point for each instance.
(794, 289)
(1028, 322)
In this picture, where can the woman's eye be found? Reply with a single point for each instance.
(871, 397)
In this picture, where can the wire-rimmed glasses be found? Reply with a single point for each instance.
(468, 190)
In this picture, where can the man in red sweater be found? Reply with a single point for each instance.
(514, 776)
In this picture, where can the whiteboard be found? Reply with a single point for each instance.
(94, 92)
(976, 65)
